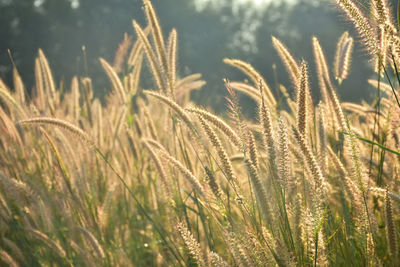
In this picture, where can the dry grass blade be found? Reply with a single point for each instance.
(156, 33)
(320, 60)
(188, 79)
(322, 140)
(180, 111)
(267, 133)
(149, 122)
(322, 72)
(7, 97)
(381, 58)
(381, 10)
(8, 128)
(247, 69)
(48, 80)
(19, 86)
(334, 100)
(120, 55)
(284, 157)
(347, 183)
(49, 242)
(185, 172)
(132, 80)
(339, 46)
(7, 259)
(361, 23)
(382, 86)
(75, 97)
(14, 249)
(159, 44)
(184, 91)
(93, 242)
(247, 89)
(212, 183)
(290, 62)
(172, 53)
(343, 57)
(390, 228)
(253, 152)
(154, 66)
(58, 157)
(159, 166)
(382, 192)
(355, 108)
(311, 161)
(302, 89)
(259, 191)
(59, 123)
(39, 90)
(137, 49)
(216, 260)
(383, 17)
(225, 162)
(184, 86)
(358, 172)
(220, 124)
(192, 245)
(115, 81)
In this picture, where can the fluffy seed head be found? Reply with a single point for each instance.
(302, 89)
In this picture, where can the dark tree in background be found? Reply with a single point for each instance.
(61, 28)
(219, 29)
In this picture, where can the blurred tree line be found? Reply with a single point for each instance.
(207, 33)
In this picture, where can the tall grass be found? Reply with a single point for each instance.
(148, 178)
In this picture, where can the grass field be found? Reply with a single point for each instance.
(147, 178)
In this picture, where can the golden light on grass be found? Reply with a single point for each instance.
(168, 182)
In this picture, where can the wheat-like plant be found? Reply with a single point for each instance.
(171, 183)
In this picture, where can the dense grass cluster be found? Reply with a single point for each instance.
(149, 178)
